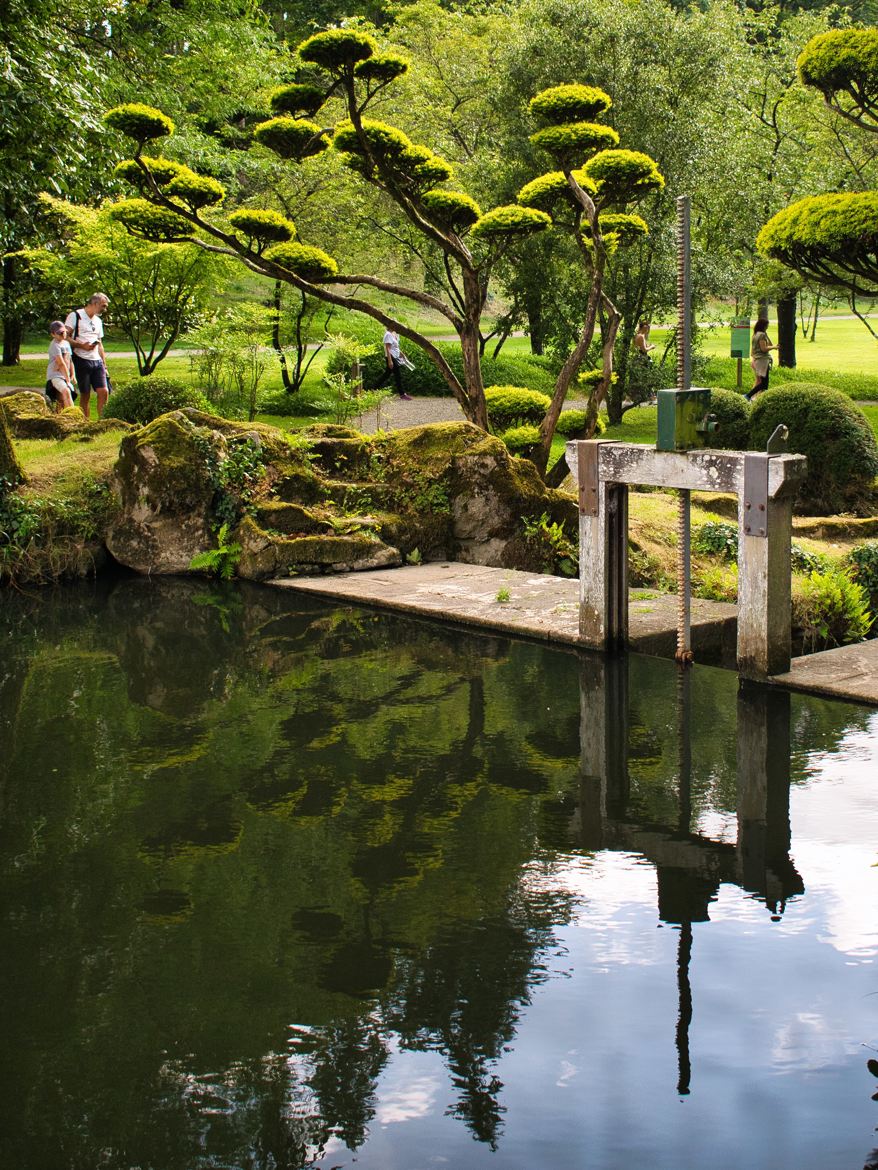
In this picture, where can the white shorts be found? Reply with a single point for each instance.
(61, 384)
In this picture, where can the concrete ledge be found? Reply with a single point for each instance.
(848, 672)
(539, 606)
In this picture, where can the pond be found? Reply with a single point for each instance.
(290, 884)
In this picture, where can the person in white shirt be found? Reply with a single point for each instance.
(86, 331)
(59, 371)
(394, 366)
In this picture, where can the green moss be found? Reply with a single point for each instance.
(11, 472)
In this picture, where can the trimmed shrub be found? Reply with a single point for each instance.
(297, 99)
(862, 566)
(381, 70)
(733, 415)
(337, 48)
(571, 422)
(570, 103)
(139, 121)
(195, 190)
(452, 207)
(143, 218)
(521, 440)
(546, 192)
(143, 399)
(425, 378)
(511, 221)
(623, 176)
(573, 142)
(293, 138)
(161, 169)
(305, 261)
(263, 227)
(829, 609)
(514, 406)
(835, 436)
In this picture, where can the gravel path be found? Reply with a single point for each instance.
(395, 413)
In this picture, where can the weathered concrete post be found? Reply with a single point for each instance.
(603, 553)
(603, 738)
(764, 584)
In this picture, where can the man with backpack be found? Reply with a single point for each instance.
(86, 332)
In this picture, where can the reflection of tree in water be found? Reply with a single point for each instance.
(278, 813)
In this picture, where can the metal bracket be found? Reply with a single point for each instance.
(756, 494)
(588, 475)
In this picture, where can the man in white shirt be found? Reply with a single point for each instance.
(394, 366)
(86, 332)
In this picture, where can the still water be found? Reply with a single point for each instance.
(286, 884)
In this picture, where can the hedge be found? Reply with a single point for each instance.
(732, 412)
(835, 436)
(143, 399)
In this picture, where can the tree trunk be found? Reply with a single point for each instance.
(786, 332)
(275, 339)
(474, 407)
(13, 328)
(762, 307)
(534, 310)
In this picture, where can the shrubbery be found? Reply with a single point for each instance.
(862, 564)
(143, 399)
(835, 436)
(521, 440)
(829, 609)
(425, 378)
(733, 415)
(510, 406)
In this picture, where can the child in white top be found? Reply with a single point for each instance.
(59, 372)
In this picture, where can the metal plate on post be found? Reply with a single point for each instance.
(756, 495)
(588, 475)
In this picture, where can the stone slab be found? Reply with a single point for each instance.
(848, 672)
(546, 608)
(539, 606)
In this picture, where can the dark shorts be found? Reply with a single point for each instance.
(90, 375)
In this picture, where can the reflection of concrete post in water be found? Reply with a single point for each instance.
(603, 737)
(763, 853)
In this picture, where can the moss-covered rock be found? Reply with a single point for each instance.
(165, 492)
(29, 417)
(11, 473)
(265, 555)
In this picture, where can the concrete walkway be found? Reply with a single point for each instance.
(544, 607)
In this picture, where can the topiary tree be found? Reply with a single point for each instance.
(347, 65)
(843, 66)
(833, 239)
(835, 436)
(589, 195)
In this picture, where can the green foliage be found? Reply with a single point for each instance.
(343, 400)
(381, 70)
(552, 189)
(236, 471)
(162, 170)
(291, 138)
(511, 221)
(139, 122)
(619, 228)
(803, 561)
(572, 422)
(571, 143)
(337, 50)
(344, 352)
(558, 553)
(305, 261)
(11, 473)
(148, 222)
(862, 566)
(503, 595)
(424, 167)
(843, 63)
(521, 440)
(297, 99)
(623, 176)
(384, 141)
(513, 406)
(570, 103)
(263, 227)
(196, 191)
(832, 432)
(717, 539)
(220, 561)
(426, 379)
(452, 208)
(732, 412)
(717, 583)
(829, 609)
(830, 239)
(143, 399)
(590, 378)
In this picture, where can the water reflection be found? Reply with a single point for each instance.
(283, 883)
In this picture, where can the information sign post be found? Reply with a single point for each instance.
(740, 344)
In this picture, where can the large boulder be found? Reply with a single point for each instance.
(334, 501)
(11, 473)
(30, 418)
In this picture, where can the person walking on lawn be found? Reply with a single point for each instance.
(86, 331)
(393, 359)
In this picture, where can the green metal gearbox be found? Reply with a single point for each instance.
(684, 419)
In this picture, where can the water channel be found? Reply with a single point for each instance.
(289, 884)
